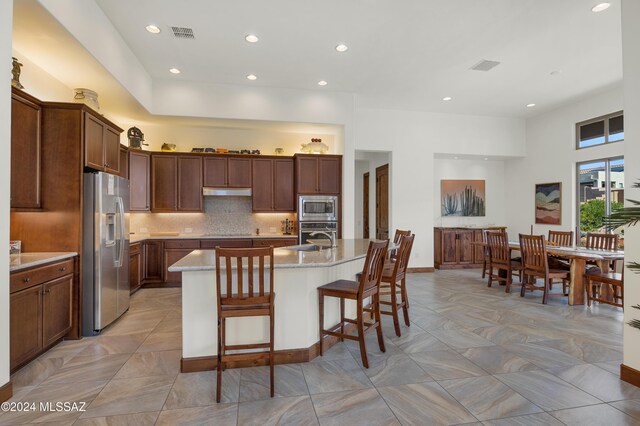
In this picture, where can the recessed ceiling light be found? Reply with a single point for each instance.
(174, 71)
(600, 7)
(153, 29)
(342, 48)
(556, 72)
(252, 38)
(252, 77)
(455, 158)
(486, 158)
(447, 98)
(322, 83)
(530, 105)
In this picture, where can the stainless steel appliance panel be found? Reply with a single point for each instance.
(306, 228)
(317, 208)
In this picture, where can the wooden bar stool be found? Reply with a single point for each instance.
(367, 286)
(245, 295)
(394, 281)
(397, 237)
(535, 263)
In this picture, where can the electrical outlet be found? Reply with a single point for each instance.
(144, 230)
(272, 229)
(188, 230)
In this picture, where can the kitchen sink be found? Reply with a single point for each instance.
(304, 247)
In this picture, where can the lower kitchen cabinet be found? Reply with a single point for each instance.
(275, 242)
(152, 256)
(226, 243)
(175, 250)
(135, 266)
(40, 309)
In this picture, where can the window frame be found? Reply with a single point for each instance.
(604, 118)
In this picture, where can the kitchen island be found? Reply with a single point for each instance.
(297, 275)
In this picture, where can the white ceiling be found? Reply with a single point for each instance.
(402, 54)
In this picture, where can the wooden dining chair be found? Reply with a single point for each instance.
(595, 283)
(535, 263)
(500, 259)
(393, 254)
(367, 286)
(245, 291)
(560, 239)
(600, 241)
(393, 284)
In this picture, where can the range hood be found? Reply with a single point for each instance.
(226, 192)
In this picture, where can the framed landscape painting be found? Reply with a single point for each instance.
(462, 197)
(549, 203)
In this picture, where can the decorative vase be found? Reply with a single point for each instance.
(87, 97)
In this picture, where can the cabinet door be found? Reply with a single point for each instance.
(226, 243)
(164, 180)
(329, 171)
(262, 188)
(111, 145)
(239, 173)
(56, 309)
(283, 188)
(307, 175)
(171, 256)
(152, 261)
(26, 325)
(478, 251)
(139, 176)
(466, 249)
(25, 154)
(93, 138)
(275, 242)
(215, 172)
(449, 246)
(135, 270)
(124, 162)
(190, 183)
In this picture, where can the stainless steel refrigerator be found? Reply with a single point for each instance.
(105, 250)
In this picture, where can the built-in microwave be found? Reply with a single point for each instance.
(318, 208)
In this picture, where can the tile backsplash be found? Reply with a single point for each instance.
(222, 216)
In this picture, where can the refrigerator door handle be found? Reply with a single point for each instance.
(121, 225)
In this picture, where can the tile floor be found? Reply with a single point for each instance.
(473, 355)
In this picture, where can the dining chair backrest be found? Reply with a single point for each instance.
(248, 275)
(373, 265)
(534, 253)
(602, 241)
(404, 252)
(498, 243)
(561, 238)
(396, 241)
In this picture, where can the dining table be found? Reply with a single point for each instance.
(578, 257)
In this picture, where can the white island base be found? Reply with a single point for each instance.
(297, 275)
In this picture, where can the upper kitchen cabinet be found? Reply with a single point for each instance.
(101, 143)
(164, 183)
(25, 151)
(139, 181)
(318, 174)
(221, 172)
(273, 188)
(189, 183)
(124, 162)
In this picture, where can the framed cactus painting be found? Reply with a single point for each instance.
(549, 203)
(462, 197)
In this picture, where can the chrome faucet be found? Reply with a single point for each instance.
(331, 237)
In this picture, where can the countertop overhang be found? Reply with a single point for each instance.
(136, 238)
(22, 261)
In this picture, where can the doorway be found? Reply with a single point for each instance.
(365, 205)
(382, 202)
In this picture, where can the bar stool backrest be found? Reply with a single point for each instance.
(248, 275)
(396, 241)
(373, 265)
(404, 252)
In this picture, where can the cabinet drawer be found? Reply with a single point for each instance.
(276, 242)
(25, 279)
(182, 244)
(226, 243)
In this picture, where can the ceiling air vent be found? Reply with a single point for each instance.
(485, 65)
(182, 32)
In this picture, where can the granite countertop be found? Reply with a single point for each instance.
(346, 251)
(134, 238)
(28, 260)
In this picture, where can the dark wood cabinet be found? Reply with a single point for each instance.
(175, 250)
(275, 242)
(152, 256)
(273, 188)
(139, 181)
(135, 267)
(318, 174)
(40, 309)
(101, 144)
(189, 183)
(221, 172)
(164, 183)
(25, 151)
(226, 243)
(453, 248)
(124, 162)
